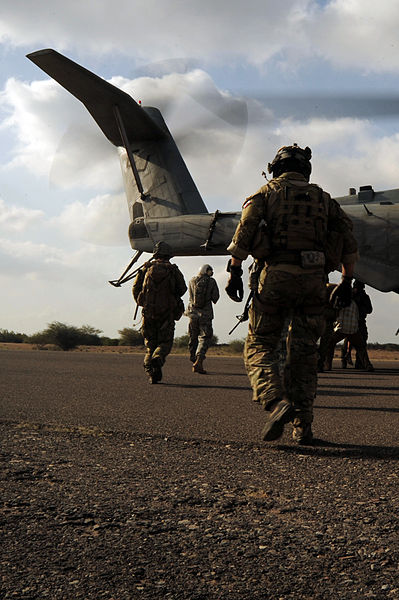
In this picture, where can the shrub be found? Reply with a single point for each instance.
(89, 336)
(66, 337)
(107, 341)
(11, 336)
(130, 337)
(182, 341)
(237, 346)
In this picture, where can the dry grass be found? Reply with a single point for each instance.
(375, 354)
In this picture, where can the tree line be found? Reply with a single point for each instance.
(68, 337)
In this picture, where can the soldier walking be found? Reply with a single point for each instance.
(203, 291)
(301, 233)
(347, 327)
(158, 288)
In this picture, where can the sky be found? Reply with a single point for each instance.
(320, 73)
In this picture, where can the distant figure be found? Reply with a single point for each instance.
(203, 291)
(330, 314)
(365, 308)
(158, 288)
(347, 326)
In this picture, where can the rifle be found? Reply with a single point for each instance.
(245, 315)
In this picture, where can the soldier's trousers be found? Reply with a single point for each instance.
(300, 298)
(200, 332)
(357, 341)
(158, 338)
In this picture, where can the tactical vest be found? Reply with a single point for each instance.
(298, 219)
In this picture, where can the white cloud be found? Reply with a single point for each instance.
(147, 29)
(17, 219)
(56, 137)
(348, 33)
(357, 34)
(346, 152)
(104, 220)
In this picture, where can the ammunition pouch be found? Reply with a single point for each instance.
(261, 247)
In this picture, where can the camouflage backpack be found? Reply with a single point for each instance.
(201, 284)
(157, 295)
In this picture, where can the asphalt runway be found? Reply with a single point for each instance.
(110, 391)
(114, 488)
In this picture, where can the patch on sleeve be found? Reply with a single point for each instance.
(247, 202)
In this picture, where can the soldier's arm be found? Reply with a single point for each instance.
(138, 283)
(252, 214)
(181, 287)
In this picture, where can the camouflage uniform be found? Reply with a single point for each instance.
(159, 325)
(200, 325)
(286, 289)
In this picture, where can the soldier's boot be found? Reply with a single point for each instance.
(198, 366)
(280, 415)
(302, 434)
(156, 366)
(193, 358)
(149, 371)
(344, 362)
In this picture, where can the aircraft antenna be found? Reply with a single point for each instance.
(126, 144)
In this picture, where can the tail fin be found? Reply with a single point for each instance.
(157, 181)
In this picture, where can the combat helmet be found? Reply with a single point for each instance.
(162, 250)
(291, 158)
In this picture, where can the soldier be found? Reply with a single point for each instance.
(203, 291)
(301, 233)
(347, 327)
(158, 288)
(330, 315)
(342, 329)
(365, 307)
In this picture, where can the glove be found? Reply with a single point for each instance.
(341, 296)
(235, 288)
